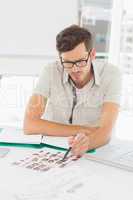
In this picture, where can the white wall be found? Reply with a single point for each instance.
(114, 49)
(22, 65)
(28, 31)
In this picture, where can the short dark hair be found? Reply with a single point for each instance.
(72, 36)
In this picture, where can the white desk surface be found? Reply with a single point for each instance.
(103, 182)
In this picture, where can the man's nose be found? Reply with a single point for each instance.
(75, 68)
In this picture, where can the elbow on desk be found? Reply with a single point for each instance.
(30, 126)
(107, 141)
(27, 129)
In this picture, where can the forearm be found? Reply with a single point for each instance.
(45, 127)
(99, 137)
(106, 123)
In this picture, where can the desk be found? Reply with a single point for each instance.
(102, 182)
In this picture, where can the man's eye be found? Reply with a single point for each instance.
(82, 62)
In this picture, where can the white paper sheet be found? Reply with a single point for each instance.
(82, 179)
(64, 184)
(76, 182)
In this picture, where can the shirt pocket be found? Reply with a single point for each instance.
(60, 107)
(59, 100)
(87, 113)
(95, 99)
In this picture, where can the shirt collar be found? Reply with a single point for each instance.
(65, 77)
(96, 73)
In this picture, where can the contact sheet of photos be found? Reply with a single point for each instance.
(44, 160)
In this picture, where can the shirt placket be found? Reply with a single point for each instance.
(73, 105)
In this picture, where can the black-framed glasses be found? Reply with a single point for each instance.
(79, 63)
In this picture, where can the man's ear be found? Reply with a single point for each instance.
(93, 54)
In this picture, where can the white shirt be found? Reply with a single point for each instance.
(55, 85)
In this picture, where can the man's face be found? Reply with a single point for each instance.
(77, 63)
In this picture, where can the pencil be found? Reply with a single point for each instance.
(67, 152)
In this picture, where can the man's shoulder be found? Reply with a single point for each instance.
(53, 66)
(112, 72)
(105, 68)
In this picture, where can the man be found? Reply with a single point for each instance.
(75, 96)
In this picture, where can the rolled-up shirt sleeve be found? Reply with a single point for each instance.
(43, 84)
(114, 87)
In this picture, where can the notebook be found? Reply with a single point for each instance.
(58, 142)
(61, 142)
(16, 135)
(12, 136)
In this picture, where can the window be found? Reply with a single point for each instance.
(96, 17)
(112, 24)
(14, 94)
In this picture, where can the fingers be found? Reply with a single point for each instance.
(79, 140)
(79, 144)
(79, 151)
(71, 140)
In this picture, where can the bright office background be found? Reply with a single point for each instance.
(27, 42)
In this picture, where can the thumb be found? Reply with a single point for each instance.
(71, 140)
